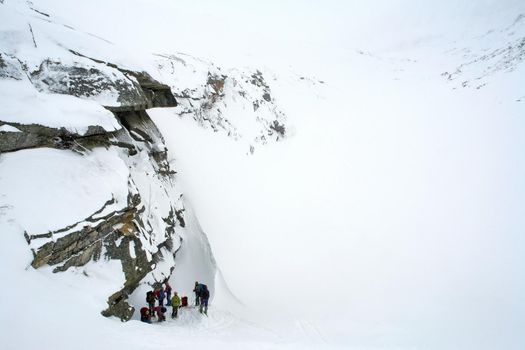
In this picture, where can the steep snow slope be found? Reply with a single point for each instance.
(393, 214)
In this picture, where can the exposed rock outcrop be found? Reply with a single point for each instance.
(122, 90)
(69, 93)
(217, 92)
(9, 68)
(503, 51)
(34, 136)
(138, 235)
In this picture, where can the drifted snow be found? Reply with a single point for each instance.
(52, 110)
(132, 249)
(47, 189)
(8, 128)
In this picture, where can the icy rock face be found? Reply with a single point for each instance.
(105, 83)
(99, 80)
(140, 233)
(108, 232)
(34, 136)
(9, 68)
(86, 81)
(70, 101)
(236, 102)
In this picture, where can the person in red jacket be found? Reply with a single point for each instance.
(160, 310)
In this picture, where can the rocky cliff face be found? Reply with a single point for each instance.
(65, 99)
(136, 234)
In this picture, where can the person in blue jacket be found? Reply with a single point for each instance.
(162, 296)
(204, 296)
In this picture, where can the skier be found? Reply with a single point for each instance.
(175, 303)
(204, 295)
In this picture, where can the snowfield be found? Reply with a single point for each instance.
(389, 215)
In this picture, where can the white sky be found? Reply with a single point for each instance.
(224, 29)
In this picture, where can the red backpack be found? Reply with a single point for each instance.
(184, 301)
(144, 311)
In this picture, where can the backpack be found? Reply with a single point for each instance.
(205, 294)
(201, 288)
(144, 311)
(184, 301)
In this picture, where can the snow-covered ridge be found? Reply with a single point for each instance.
(55, 58)
(500, 50)
(238, 102)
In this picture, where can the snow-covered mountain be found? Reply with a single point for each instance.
(330, 196)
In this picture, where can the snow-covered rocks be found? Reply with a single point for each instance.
(500, 50)
(85, 174)
(236, 102)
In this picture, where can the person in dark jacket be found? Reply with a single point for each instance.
(150, 299)
(197, 290)
(168, 293)
(204, 296)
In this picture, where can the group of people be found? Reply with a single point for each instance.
(155, 299)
